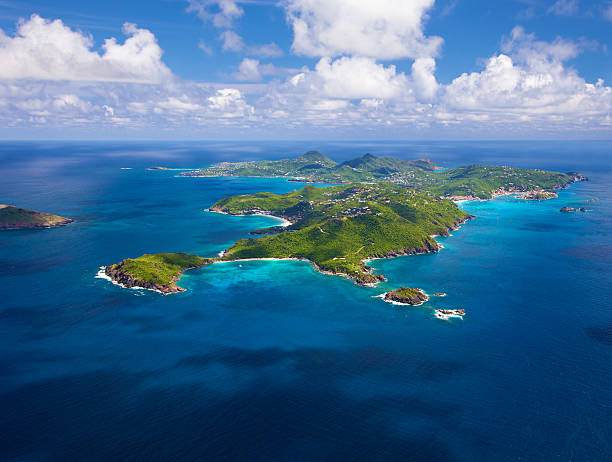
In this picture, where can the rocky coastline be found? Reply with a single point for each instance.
(125, 279)
(406, 296)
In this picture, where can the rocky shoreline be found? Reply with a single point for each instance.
(406, 296)
(126, 280)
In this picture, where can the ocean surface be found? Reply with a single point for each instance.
(274, 361)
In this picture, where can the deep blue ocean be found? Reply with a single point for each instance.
(274, 361)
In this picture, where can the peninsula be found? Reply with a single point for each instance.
(12, 217)
(157, 272)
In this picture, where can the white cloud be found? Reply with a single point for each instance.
(229, 102)
(232, 41)
(564, 7)
(268, 50)
(49, 50)
(248, 70)
(533, 82)
(528, 86)
(385, 29)
(205, 48)
(221, 13)
(608, 13)
(526, 48)
(425, 83)
(351, 78)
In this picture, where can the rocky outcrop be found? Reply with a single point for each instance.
(126, 279)
(406, 295)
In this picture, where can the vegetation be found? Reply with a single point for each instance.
(474, 181)
(383, 207)
(340, 227)
(155, 271)
(315, 167)
(407, 295)
(16, 218)
(485, 182)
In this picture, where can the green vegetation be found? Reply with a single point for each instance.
(16, 218)
(315, 167)
(338, 228)
(408, 295)
(473, 182)
(485, 182)
(155, 271)
(383, 207)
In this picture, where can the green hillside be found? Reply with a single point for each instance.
(17, 218)
(474, 181)
(337, 228)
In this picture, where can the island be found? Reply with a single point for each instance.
(379, 208)
(12, 217)
(406, 296)
(472, 182)
(340, 228)
(157, 272)
(337, 229)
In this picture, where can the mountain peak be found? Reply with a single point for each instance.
(314, 156)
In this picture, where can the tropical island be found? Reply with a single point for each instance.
(472, 182)
(12, 217)
(381, 208)
(338, 229)
(406, 296)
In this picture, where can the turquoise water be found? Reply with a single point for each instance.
(274, 361)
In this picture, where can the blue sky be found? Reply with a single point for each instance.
(329, 69)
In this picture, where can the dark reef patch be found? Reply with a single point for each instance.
(601, 334)
(596, 252)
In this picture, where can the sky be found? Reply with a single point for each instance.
(306, 69)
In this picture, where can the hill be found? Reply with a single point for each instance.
(469, 182)
(17, 218)
(339, 228)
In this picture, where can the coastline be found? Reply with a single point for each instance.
(284, 221)
(101, 274)
(393, 302)
(219, 259)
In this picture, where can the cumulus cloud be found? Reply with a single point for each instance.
(351, 78)
(229, 102)
(248, 70)
(529, 83)
(49, 50)
(425, 83)
(385, 29)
